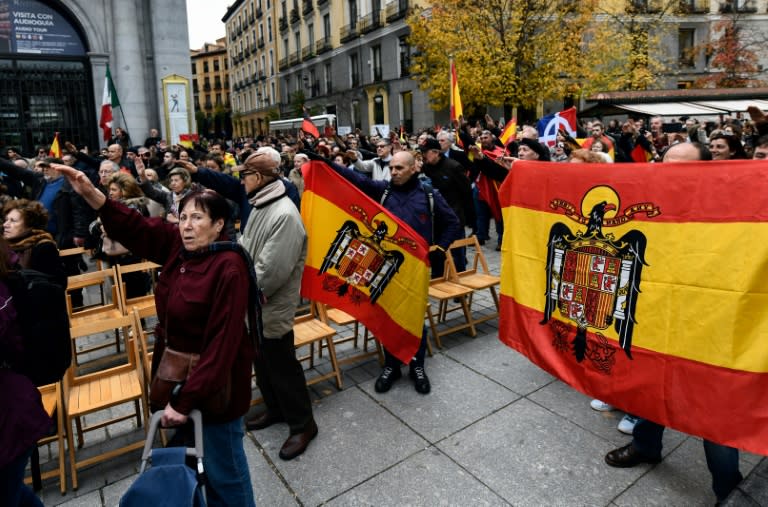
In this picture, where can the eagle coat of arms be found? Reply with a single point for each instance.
(593, 279)
(360, 260)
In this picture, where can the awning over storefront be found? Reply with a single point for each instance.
(671, 109)
(698, 108)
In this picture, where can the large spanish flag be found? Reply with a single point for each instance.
(645, 287)
(363, 260)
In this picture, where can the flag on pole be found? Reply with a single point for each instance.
(645, 288)
(509, 132)
(363, 260)
(109, 102)
(55, 150)
(550, 124)
(308, 127)
(456, 109)
(189, 140)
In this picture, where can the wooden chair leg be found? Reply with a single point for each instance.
(433, 327)
(468, 316)
(71, 446)
(334, 361)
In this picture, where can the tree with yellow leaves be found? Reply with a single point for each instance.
(521, 52)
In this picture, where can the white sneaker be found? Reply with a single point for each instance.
(600, 406)
(627, 424)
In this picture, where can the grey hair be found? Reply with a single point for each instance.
(270, 152)
(448, 135)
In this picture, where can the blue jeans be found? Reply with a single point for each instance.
(722, 461)
(229, 482)
(13, 492)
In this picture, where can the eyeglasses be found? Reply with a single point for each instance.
(382, 145)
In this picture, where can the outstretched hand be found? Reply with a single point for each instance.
(82, 185)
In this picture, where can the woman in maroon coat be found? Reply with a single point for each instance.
(202, 298)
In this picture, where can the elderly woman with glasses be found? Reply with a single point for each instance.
(202, 303)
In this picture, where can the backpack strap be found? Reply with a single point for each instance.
(426, 186)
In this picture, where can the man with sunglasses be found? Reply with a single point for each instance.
(378, 168)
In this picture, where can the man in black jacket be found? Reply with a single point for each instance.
(449, 177)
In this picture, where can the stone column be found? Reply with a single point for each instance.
(170, 47)
(128, 72)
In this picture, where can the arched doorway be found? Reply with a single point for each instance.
(45, 81)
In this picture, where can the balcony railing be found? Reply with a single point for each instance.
(282, 63)
(262, 75)
(294, 58)
(295, 16)
(217, 85)
(369, 22)
(348, 32)
(322, 46)
(693, 7)
(207, 87)
(308, 52)
(396, 10)
(307, 7)
(282, 24)
(260, 42)
(259, 12)
(737, 6)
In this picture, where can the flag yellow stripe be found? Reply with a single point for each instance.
(413, 273)
(703, 293)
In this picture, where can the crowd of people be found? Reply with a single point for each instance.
(222, 218)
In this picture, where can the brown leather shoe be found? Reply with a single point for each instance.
(297, 444)
(262, 420)
(627, 457)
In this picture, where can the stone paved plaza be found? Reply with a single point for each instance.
(496, 430)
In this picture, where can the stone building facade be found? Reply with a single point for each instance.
(53, 66)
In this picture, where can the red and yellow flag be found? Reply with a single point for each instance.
(645, 288)
(189, 140)
(55, 150)
(509, 132)
(456, 109)
(363, 260)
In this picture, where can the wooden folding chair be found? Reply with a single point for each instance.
(443, 291)
(148, 300)
(89, 394)
(342, 318)
(309, 329)
(53, 403)
(477, 276)
(80, 251)
(111, 308)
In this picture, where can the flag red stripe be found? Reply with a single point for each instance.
(716, 410)
(738, 200)
(383, 327)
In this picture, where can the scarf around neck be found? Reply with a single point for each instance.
(267, 194)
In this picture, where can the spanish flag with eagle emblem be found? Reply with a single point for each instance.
(363, 260)
(646, 288)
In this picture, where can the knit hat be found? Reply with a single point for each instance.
(536, 146)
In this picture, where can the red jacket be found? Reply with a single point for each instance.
(201, 305)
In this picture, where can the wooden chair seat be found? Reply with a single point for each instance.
(146, 301)
(307, 330)
(444, 290)
(102, 392)
(99, 391)
(109, 309)
(477, 275)
(342, 318)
